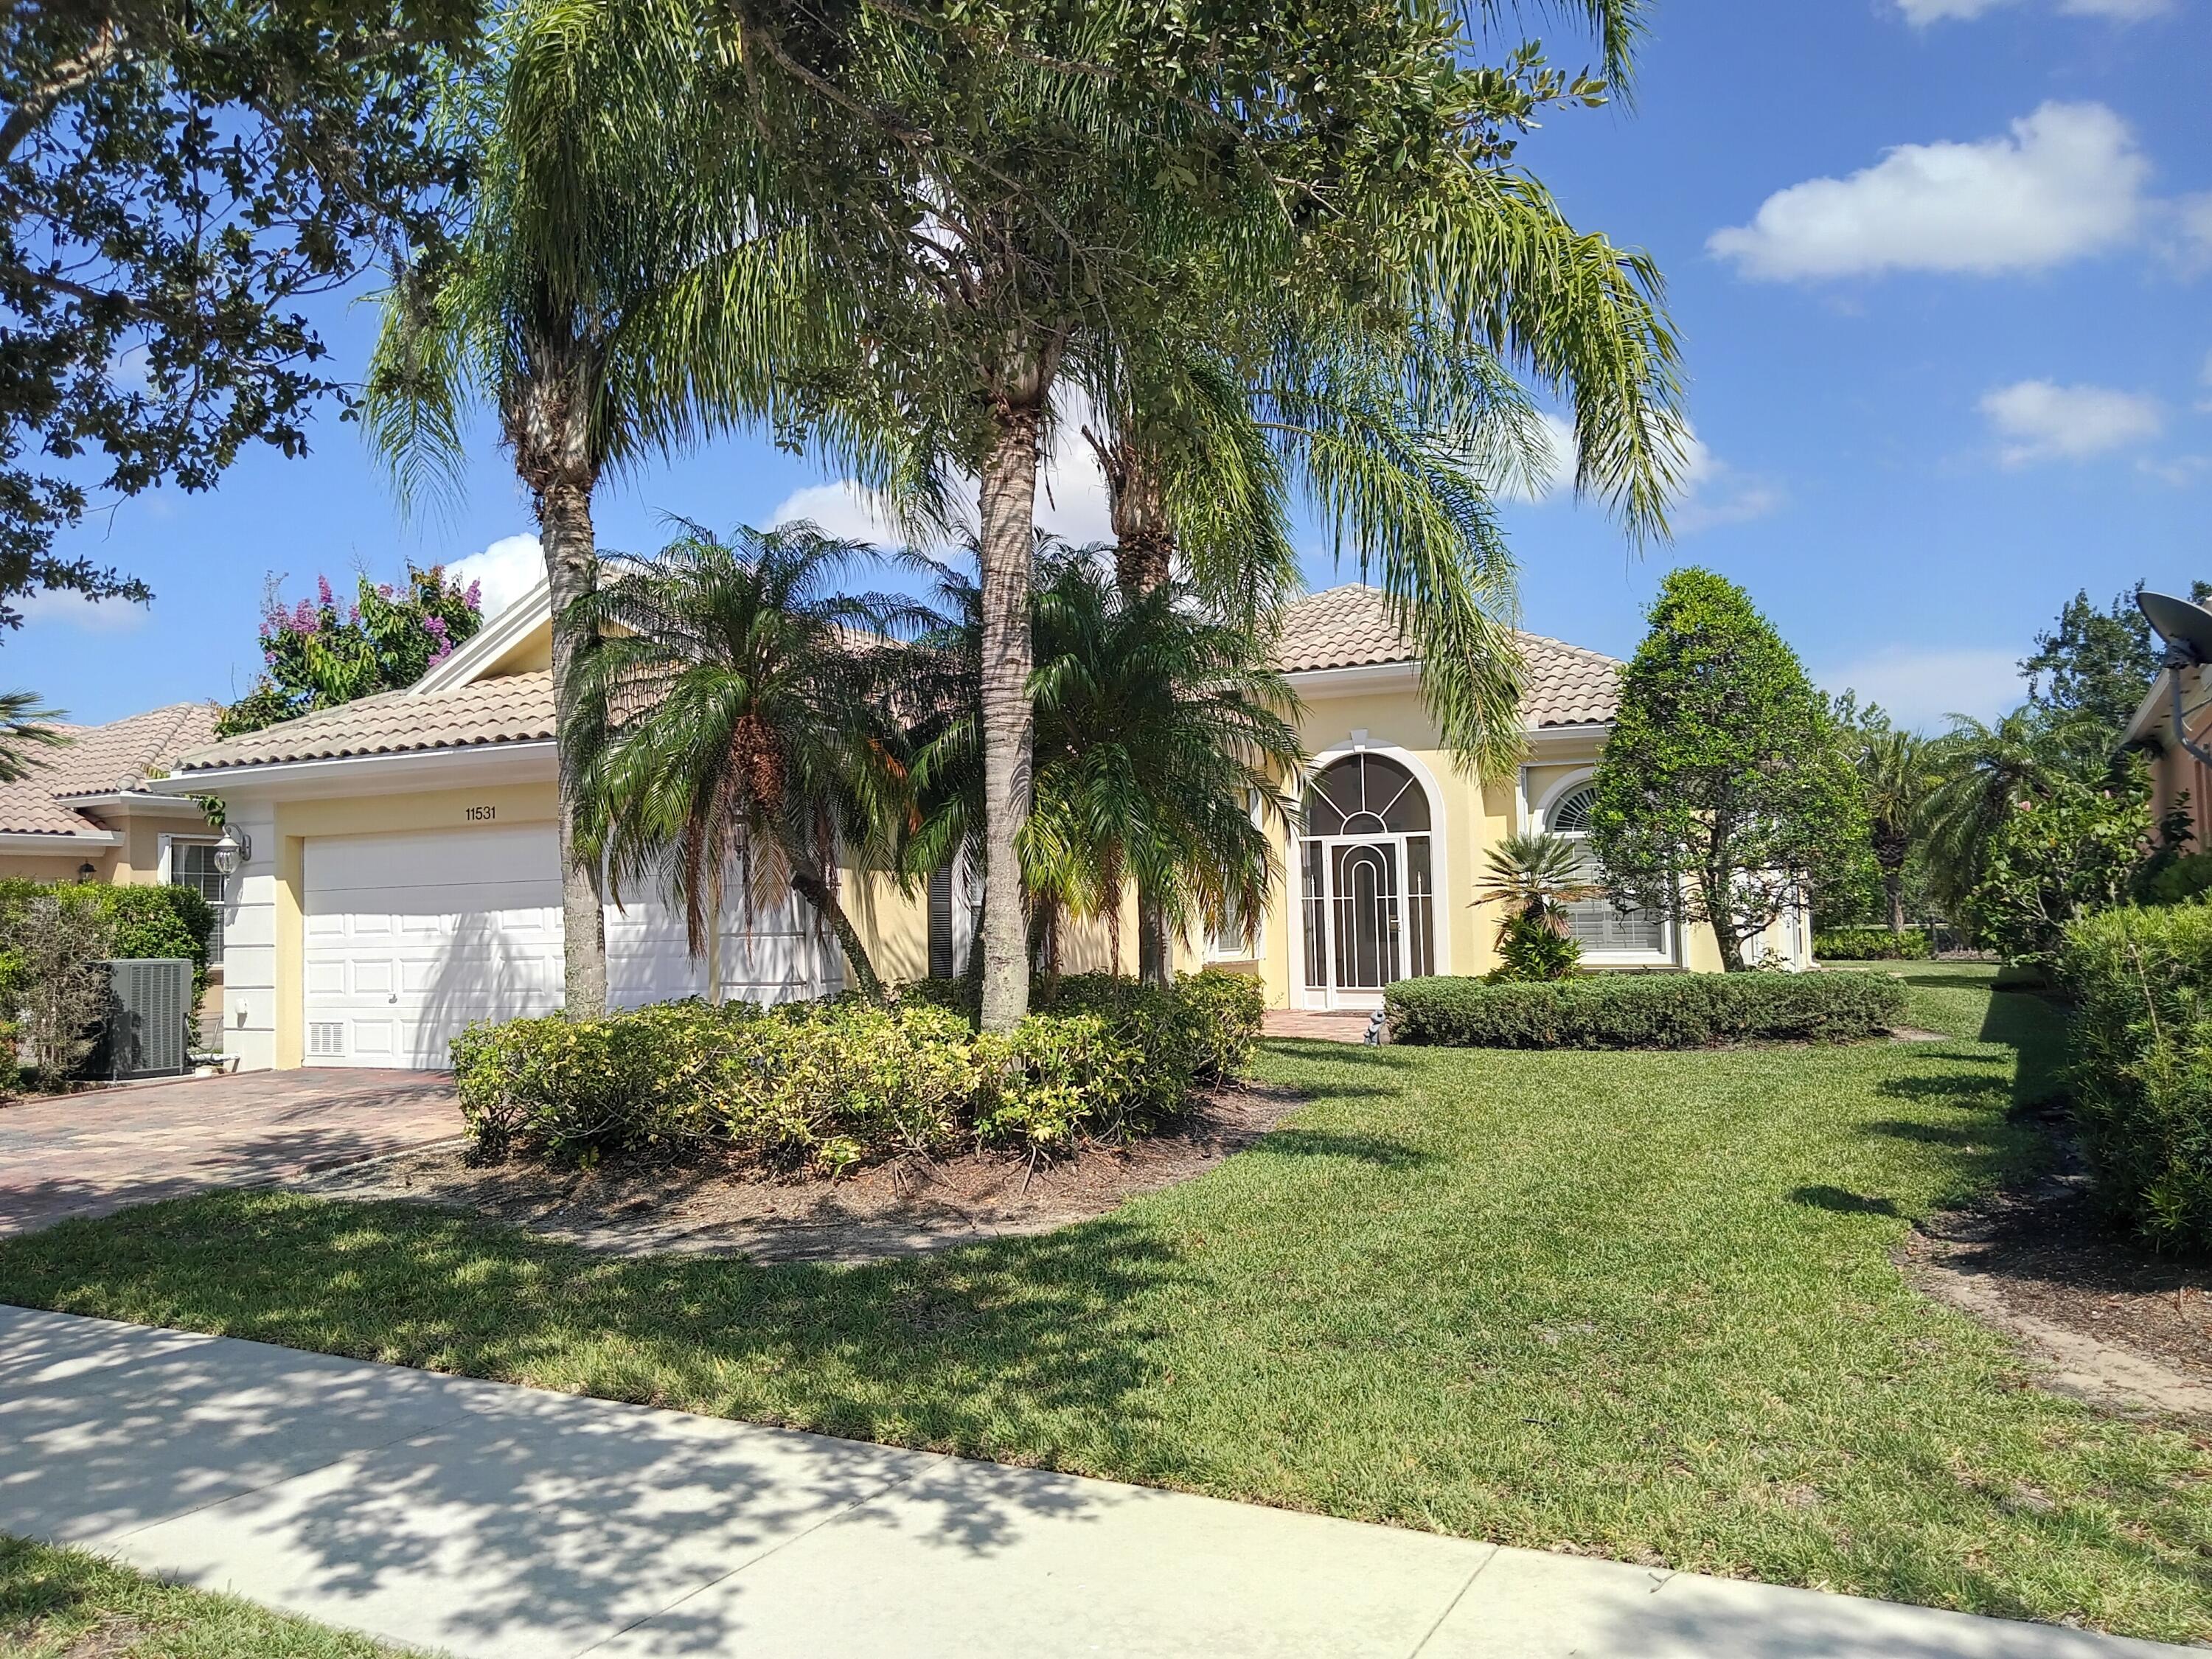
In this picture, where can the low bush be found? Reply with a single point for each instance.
(2140, 1068)
(1529, 950)
(2179, 880)
(830, 1084)
(1872, 944)
(1644, 1011)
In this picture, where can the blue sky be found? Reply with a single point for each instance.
(1940, 267)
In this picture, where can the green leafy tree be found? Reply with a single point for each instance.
(734, 723)
(1725, 787)
(2061, 851)
(1983, 770)
(174, 179)
(384, 640)
(2096, 663)
(1163, 741)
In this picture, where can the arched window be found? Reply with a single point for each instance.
(1600, 926)
(1571, 817)
(1367, 868)
(1365, 795)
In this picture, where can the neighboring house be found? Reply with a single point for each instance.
(85, 812)
(401, 877)
(2174, 772)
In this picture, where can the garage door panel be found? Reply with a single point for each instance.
(411, 937)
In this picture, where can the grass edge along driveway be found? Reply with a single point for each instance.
(1636, 1306)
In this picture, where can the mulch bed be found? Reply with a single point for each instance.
(2047, 1256)
(900, 1208)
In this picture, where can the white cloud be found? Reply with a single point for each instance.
(2043, 421)
(1921, 687)
(1921, 12)
(841, 510)
(73, 610)
(1071, 496)
(1713, 492)
(2065, 183)
(2180, 471)
(508, 569)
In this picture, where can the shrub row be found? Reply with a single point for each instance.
(154, 921)
(1872, 944)
(834, 1084)
(2140, 1067)
(1644, 1011)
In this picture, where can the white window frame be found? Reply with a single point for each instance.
(1252, 946)
(1668, 954)
(165, 875)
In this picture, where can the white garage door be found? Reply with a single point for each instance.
(410, 937)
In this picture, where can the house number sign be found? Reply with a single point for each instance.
(479, 814)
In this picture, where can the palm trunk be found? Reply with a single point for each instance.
(1144, 558)
(1892, 882)
(564, 521)
(823, 897)
(1005, 553)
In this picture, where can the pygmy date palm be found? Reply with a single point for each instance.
(730, 727)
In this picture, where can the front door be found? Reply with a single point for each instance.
(1366, 916)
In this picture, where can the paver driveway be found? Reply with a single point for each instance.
(84, 1155)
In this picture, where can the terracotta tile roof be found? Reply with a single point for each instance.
(101, 760)
(512, 709)
(1341, 628)
(1348, 627)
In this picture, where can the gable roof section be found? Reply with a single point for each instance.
(103, 760)
(1350, 627)
(512, 709)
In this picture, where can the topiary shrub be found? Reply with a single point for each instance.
(1644, 1011)
(830, 1084)
(1872, 944)
(2140, 1067)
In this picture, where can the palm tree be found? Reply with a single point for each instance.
(612, 295)
(24, 728)
(1899, 772)
(733, 718)
(1164, 748)
(1984, 771)
(1535, 877)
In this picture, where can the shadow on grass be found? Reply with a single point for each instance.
(1928, 1135)
(1842, 1201)
(1378, 1149)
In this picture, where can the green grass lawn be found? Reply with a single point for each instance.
(66, 1604)
(1636, 1305)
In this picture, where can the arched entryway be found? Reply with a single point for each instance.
(1368, 865)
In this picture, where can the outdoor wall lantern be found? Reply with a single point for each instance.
(86, 871)
(232, 850)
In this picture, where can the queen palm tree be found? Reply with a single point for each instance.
(1165, 748)
(1983, 770)
(1899, 771)
(732, 722)
(612, 294)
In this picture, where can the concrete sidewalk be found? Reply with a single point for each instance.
(487, 1520)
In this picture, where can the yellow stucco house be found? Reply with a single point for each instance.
(398, 872)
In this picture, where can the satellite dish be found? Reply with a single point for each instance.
(2185, 628)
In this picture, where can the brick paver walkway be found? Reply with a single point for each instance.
(88, 1154)
(1312, 1023)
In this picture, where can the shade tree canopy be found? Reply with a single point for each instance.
(1725, 787)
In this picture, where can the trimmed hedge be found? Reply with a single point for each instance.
(1644, 1011)
(2141, 1065)
(831, 1084)
(1872, 944)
